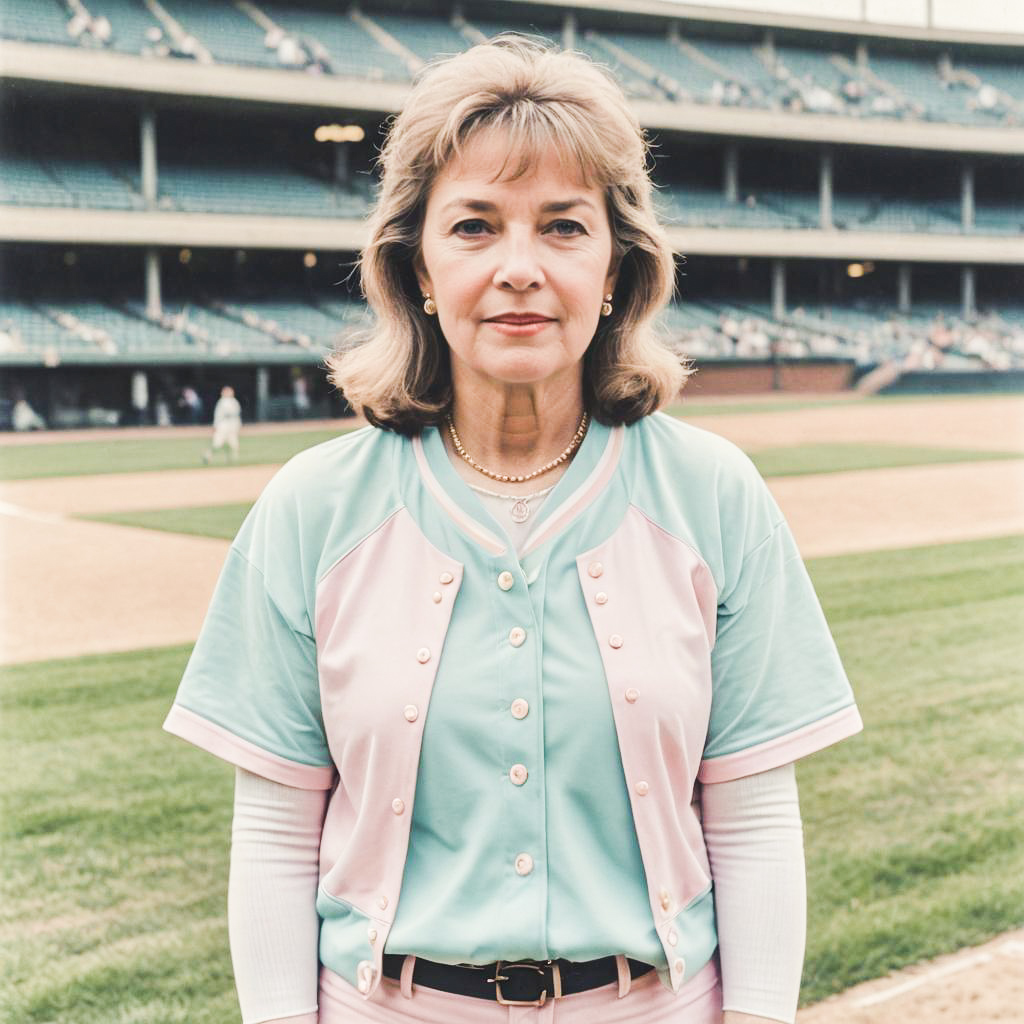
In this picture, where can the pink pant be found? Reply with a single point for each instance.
(699, 1001)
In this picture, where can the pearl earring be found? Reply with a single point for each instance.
(606, 306)
(429, 305)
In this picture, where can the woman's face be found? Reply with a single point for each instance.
(518, 269)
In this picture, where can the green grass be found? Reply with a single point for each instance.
(915, 829)
(799, 460)
(205, 521)
(134, 455)
(116, 836)
(115, 844)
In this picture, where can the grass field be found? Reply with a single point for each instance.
(130, 455)
(116, 835)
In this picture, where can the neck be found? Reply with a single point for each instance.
(515, 429)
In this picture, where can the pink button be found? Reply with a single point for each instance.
(595, 569)
(615, 641)
(520, 708)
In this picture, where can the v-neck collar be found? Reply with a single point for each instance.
(589, 472)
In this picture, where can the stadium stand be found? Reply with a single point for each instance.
(258, 300)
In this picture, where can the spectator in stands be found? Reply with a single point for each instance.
(602, 609)
(140, 397)
(300, 394)
(192, 404)
(24, 417)
(227, 425)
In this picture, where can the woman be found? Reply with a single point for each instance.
(601, 608)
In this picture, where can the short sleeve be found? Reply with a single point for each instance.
(250, 693)
(779, 691)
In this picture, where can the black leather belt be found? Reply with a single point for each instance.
(517, 983)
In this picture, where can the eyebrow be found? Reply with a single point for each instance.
(484, 206)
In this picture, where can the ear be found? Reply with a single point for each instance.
(613, 274)
(422, 277)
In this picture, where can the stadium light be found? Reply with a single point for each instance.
(860, 269)
(185, 256)
(309, 260)
(339, 133)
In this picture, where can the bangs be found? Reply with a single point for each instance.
(518, 136)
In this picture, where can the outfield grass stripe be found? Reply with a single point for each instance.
(87, 458)
(222, 521)
(807, 459)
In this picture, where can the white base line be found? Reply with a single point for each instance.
(1011, 948)
(17, 512)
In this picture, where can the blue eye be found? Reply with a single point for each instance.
(567, 228)
(471, 227)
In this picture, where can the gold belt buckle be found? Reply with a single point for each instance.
(499, 978)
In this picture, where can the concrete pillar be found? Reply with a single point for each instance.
(968, 298)
(904, 288)
(768, 48)
(147, 149)
(967, 196)
(731, 173)
(341, 164)
(778, 289)
(825, 190)
(569, 32)
(154, 303)
(262, 392)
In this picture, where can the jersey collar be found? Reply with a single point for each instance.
(589, 472)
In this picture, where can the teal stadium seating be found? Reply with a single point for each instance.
(230, 36)
(354, 52)
(36, 21)
(425, 37)
(129, 23)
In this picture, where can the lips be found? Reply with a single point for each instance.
(518, 319)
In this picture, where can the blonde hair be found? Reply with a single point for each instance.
(400, 377)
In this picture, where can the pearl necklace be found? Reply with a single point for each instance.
(507, 478)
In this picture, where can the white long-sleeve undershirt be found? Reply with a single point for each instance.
(272, 921)
(755, 845)
(754, 838)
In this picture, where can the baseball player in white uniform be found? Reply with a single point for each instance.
(227, 424)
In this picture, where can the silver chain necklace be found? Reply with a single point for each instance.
(519, 510)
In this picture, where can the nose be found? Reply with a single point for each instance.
(519, 266)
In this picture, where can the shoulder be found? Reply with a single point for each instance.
(699, 487)
(353, 458)
(674, 453)
(325, 498)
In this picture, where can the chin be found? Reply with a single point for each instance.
(528, 370)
